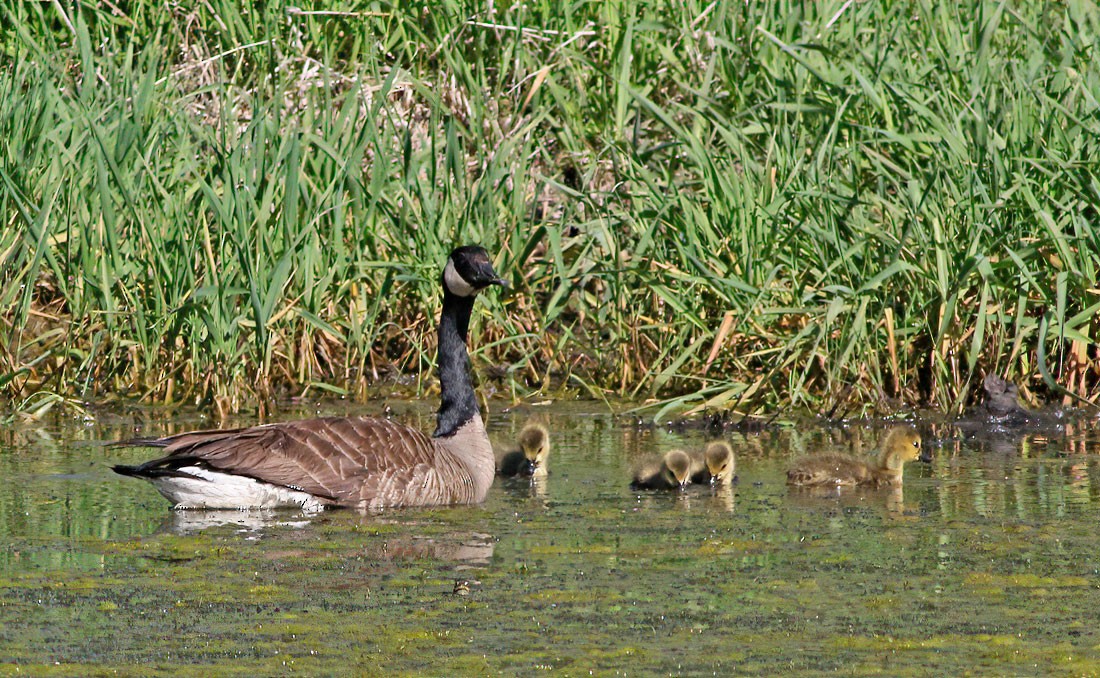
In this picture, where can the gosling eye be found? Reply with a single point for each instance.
(916, 444)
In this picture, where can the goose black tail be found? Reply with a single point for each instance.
(169, 467)
(124, 470)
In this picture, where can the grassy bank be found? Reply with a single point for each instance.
(835, 206)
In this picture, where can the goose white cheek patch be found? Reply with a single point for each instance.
(455, 283)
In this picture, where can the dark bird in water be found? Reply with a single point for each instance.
(671, 472)
(1002, 401)
(531, 457)
(346, 461)
(901, 444)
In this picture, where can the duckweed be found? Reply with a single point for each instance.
(1026, 581)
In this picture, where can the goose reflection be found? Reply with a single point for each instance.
(253, 520)
(467, 548)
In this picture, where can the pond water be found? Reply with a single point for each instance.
(988, 562)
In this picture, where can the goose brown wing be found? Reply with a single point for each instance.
(337, 458)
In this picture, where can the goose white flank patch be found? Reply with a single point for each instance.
(358, 462)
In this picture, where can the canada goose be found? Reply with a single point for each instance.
(346, 461)
(672, 472)
(530, 459)
(900, 445)
(715, 465)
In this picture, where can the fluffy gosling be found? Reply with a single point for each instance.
(715, 465)
(901, 444)
(672, 472)
(531, 457)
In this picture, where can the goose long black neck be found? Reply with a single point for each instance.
(458, 403)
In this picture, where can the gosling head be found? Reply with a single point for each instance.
(534, 440)
(468, 271)
(902, 444)
(677, 468)
(720, 463)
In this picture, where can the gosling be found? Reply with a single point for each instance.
(530, 459)
(901, 444)
(714, 466)
(672, 472)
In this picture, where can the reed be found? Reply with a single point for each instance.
(830, 206)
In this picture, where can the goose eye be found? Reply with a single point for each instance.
(916, 444)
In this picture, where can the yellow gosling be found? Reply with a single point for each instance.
(531, 457)
(672, 472)
(901, 444)
(715, 465)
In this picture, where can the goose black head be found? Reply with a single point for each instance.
(468, 271)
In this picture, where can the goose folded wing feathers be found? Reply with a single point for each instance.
(329, 458)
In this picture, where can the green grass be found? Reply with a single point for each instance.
(831, 206)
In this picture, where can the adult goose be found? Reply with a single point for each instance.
(359, 462)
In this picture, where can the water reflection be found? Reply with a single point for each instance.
(725, 497)
(471, 550)
(402, 538)
(253, 521)
(535, 488)
(890, 499)
(1025, 475)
